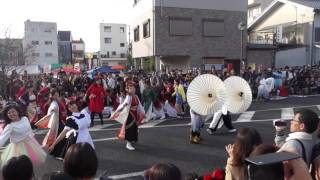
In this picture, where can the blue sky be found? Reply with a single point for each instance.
(82, 17)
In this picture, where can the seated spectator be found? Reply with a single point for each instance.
(80, 162)
(163, 172)
(264, 149)
(247, 139)
(57, 175)
(18, 168)
(300, 141)
(274, 170)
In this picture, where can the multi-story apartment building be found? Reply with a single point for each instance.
(256, 7)
(187, 33)
(42, 37)
(113, 44)
(78, 51)
(65, 47)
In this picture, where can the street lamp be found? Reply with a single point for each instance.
(242, 26)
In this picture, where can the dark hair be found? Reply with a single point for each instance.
(7, 108)
(69, 113)
(81, 161)
(18, 168)
(52, 92)
(56, 175)
(264, 149)
(309, 118)
(247, 139)
(163, 172)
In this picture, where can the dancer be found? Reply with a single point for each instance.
(96, 95)
(197, 123)
(76, 128)
(22, 142)
(131, 113)
(223, 114)
(180, 96)
(148, 97)
(55, 125)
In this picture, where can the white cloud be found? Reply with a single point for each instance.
(82, 17)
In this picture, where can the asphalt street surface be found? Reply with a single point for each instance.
(168, 141)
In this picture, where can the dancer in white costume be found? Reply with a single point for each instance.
(216, 122)
(197, 123)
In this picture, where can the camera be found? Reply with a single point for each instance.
(268, 166)
(279, 123)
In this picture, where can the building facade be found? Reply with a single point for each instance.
(256, 7)
(293, 26)
(41, 37)
(65, 47)
(113, 44)
(183, 34)
(78, 51)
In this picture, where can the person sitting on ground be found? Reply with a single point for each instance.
(300, 140)
(18, 168)
(81, 162)
(247, 139)
(163, 172)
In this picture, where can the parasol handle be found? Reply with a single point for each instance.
(241, 94)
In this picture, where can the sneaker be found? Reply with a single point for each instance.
(163, 117)
(210, 131)
(232, 130)
(130, 147)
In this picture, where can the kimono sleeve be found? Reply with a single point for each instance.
(5, 134)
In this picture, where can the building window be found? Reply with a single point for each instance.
(213, 27)
(48, 30)
(121, 44)
(121, 29)
(107, 28)
(136, 34)
(35, 43)
(146, 29)
(74, 47)
(317, 34)
(36, 54)
(108, 54)
(122, 55)
(48, 42)
(107, 40)
(48, 54)
(114, 53)
(180, 26)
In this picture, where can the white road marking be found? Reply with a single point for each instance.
(246, 116)
(287, 113)
(104, 139)
(152, 123)
(122, 176)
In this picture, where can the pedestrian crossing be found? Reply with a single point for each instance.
(248, 116)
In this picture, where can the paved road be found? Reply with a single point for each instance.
(167, 141)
